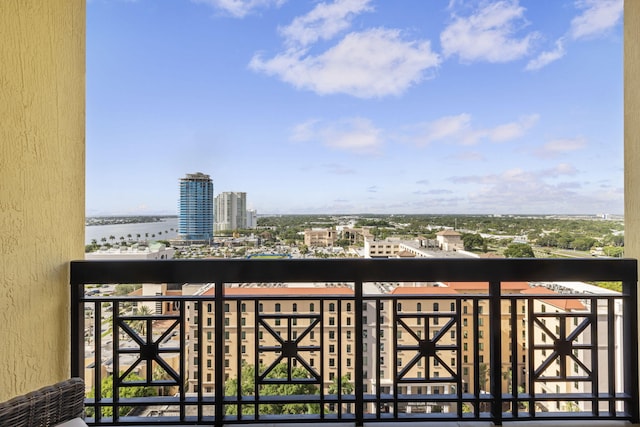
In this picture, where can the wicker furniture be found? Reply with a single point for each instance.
(48, 406)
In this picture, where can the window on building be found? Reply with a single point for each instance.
(277, 322)
(209, 321)
(294, 307)
(312, 335)
(278, 307)
(332, 335)
(348, 306)
(226, 363)
(452, 307)
(243, 349)
(294, 335)
(312, 307)
(226, 349)
(419, 307)
(399, 306)
(348, 321)
(332, 362)
(348, 348)
(348, 335)
(227, 334)
(332, 320)
(332, 307)
(243, 307)
(312, 361)
(260, 308)
(209, 308)
(209, 363)
(332, 348)
(294, 321)
(243, 321)
(348, 362)
(209, 335)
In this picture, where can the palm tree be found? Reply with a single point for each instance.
(138, 236)
(140, 325)
(112, 237)
(129, 236)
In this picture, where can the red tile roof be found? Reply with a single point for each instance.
(423, 290)
(479, 286)
(564, 304)
(283, 291)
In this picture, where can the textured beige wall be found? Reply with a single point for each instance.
(42, 85)
(632, 128)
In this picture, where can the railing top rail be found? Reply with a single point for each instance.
(350, 270)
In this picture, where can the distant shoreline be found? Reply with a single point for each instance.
(115, 220)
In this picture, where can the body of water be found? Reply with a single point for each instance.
(123, 230)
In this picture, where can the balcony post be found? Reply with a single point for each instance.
(219, 352)
(77, 331)
(630, 347)
(359, 359)
(495, 350)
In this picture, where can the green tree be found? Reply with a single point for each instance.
(106, 390)
(125, 289)
(472, 241)
(280, 371)
(345, 387)
(519, 250)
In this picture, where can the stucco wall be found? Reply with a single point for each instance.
(42, 85)
(632, 128)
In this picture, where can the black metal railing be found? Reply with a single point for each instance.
(359, 341)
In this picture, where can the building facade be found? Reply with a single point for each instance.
(320, 237)
(231, 211)
(196, 208)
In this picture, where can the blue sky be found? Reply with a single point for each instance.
(354, 106)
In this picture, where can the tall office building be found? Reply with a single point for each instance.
(231, 211)
(196, 208)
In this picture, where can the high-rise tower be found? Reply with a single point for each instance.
(231, 211)
(196, 208)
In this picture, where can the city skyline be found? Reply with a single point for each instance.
(356, 106)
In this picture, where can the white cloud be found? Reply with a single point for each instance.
(240, 8)
(597, 18)
(357, 134)
(304, 131)
(368, 64)
(458, 129)
(324, 22)
(336, 169)
(489, 34)
(536, 191)
(547, 57)
(513, 130)
(444, 128)
(558, 147)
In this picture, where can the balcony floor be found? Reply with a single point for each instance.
(580, 423)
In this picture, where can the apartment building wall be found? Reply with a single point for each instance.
(288, 318)
(325, 237)
(42, 168)
(231, 211)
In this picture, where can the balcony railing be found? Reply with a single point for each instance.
(372, 340)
